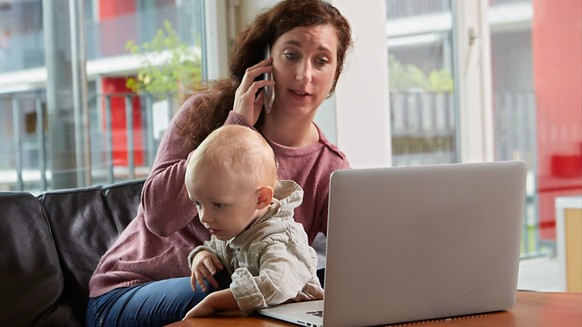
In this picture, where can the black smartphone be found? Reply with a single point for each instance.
(268, 90)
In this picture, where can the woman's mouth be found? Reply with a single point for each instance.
(300, 93)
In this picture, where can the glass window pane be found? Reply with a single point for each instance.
(536, 46)
(49, 142)
(421, 82)
(536, 73)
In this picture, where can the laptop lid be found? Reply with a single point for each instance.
(418, 243)
(426, 242)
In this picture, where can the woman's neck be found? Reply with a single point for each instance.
(290, 133)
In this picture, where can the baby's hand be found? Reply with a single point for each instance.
(204, 266)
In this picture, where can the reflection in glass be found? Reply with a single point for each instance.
(124, 127)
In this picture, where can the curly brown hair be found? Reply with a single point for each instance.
(211, 110)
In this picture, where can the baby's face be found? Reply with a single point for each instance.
(225, 200)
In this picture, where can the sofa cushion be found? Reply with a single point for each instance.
(85, 223)
(31, 282)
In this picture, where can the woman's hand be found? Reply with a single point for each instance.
(204, 266)
(202, 309)
(217, 302)
(246, 103)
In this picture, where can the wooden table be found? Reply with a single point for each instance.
(532, 309)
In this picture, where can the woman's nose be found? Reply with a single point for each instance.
(304, 73)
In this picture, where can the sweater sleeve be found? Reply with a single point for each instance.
(235, 119)
(164, 199)
(285, 269)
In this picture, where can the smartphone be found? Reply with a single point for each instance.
(268, 90)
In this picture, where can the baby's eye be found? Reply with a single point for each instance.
(198, 205)
(218, 205)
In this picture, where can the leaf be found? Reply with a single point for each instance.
(169, 66)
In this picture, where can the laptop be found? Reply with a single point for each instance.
(418, 243)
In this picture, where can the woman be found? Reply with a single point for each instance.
(143, 279)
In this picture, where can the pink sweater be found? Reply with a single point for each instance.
(155, 245)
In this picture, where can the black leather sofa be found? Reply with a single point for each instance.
(50, 245)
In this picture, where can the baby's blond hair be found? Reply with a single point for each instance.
(240, 149)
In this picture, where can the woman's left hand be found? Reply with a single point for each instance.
(216, 302)
(202, 309)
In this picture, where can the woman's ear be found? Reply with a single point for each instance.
(264, 196)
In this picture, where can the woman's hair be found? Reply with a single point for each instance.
(248, 49)
(240, 149)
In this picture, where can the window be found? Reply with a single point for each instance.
(523, 94)
(68, 125)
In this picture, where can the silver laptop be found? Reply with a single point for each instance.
(418, 243)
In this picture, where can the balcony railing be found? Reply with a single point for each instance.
(125, 130)
(123, 139)
(423, 128)
(407, 8)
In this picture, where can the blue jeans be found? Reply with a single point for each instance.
(151, 304)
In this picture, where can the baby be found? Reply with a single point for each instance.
(232, 179)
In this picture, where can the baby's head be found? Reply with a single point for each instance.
(230, 177)
(239, 149)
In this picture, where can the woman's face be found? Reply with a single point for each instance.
(304, 66)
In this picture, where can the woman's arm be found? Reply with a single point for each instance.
(215, 302)
(164, 199)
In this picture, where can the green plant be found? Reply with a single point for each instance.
(440, 81)
(169, 66)
(405, 77)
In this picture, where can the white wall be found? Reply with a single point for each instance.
(362, 107)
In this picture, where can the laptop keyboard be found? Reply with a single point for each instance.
(317, 313)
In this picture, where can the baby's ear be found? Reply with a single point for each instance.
(264, 196)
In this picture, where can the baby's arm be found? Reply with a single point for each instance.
(285, 269)
(215, 302)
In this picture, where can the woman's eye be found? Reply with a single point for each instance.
(290, 55)
(321, 61)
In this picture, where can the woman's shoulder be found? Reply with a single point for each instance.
(191, 101)
(186, 107)
(336, 154)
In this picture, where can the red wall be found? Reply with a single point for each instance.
(112, 85)
(117, 26)
(113, 8)
(557, 57)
